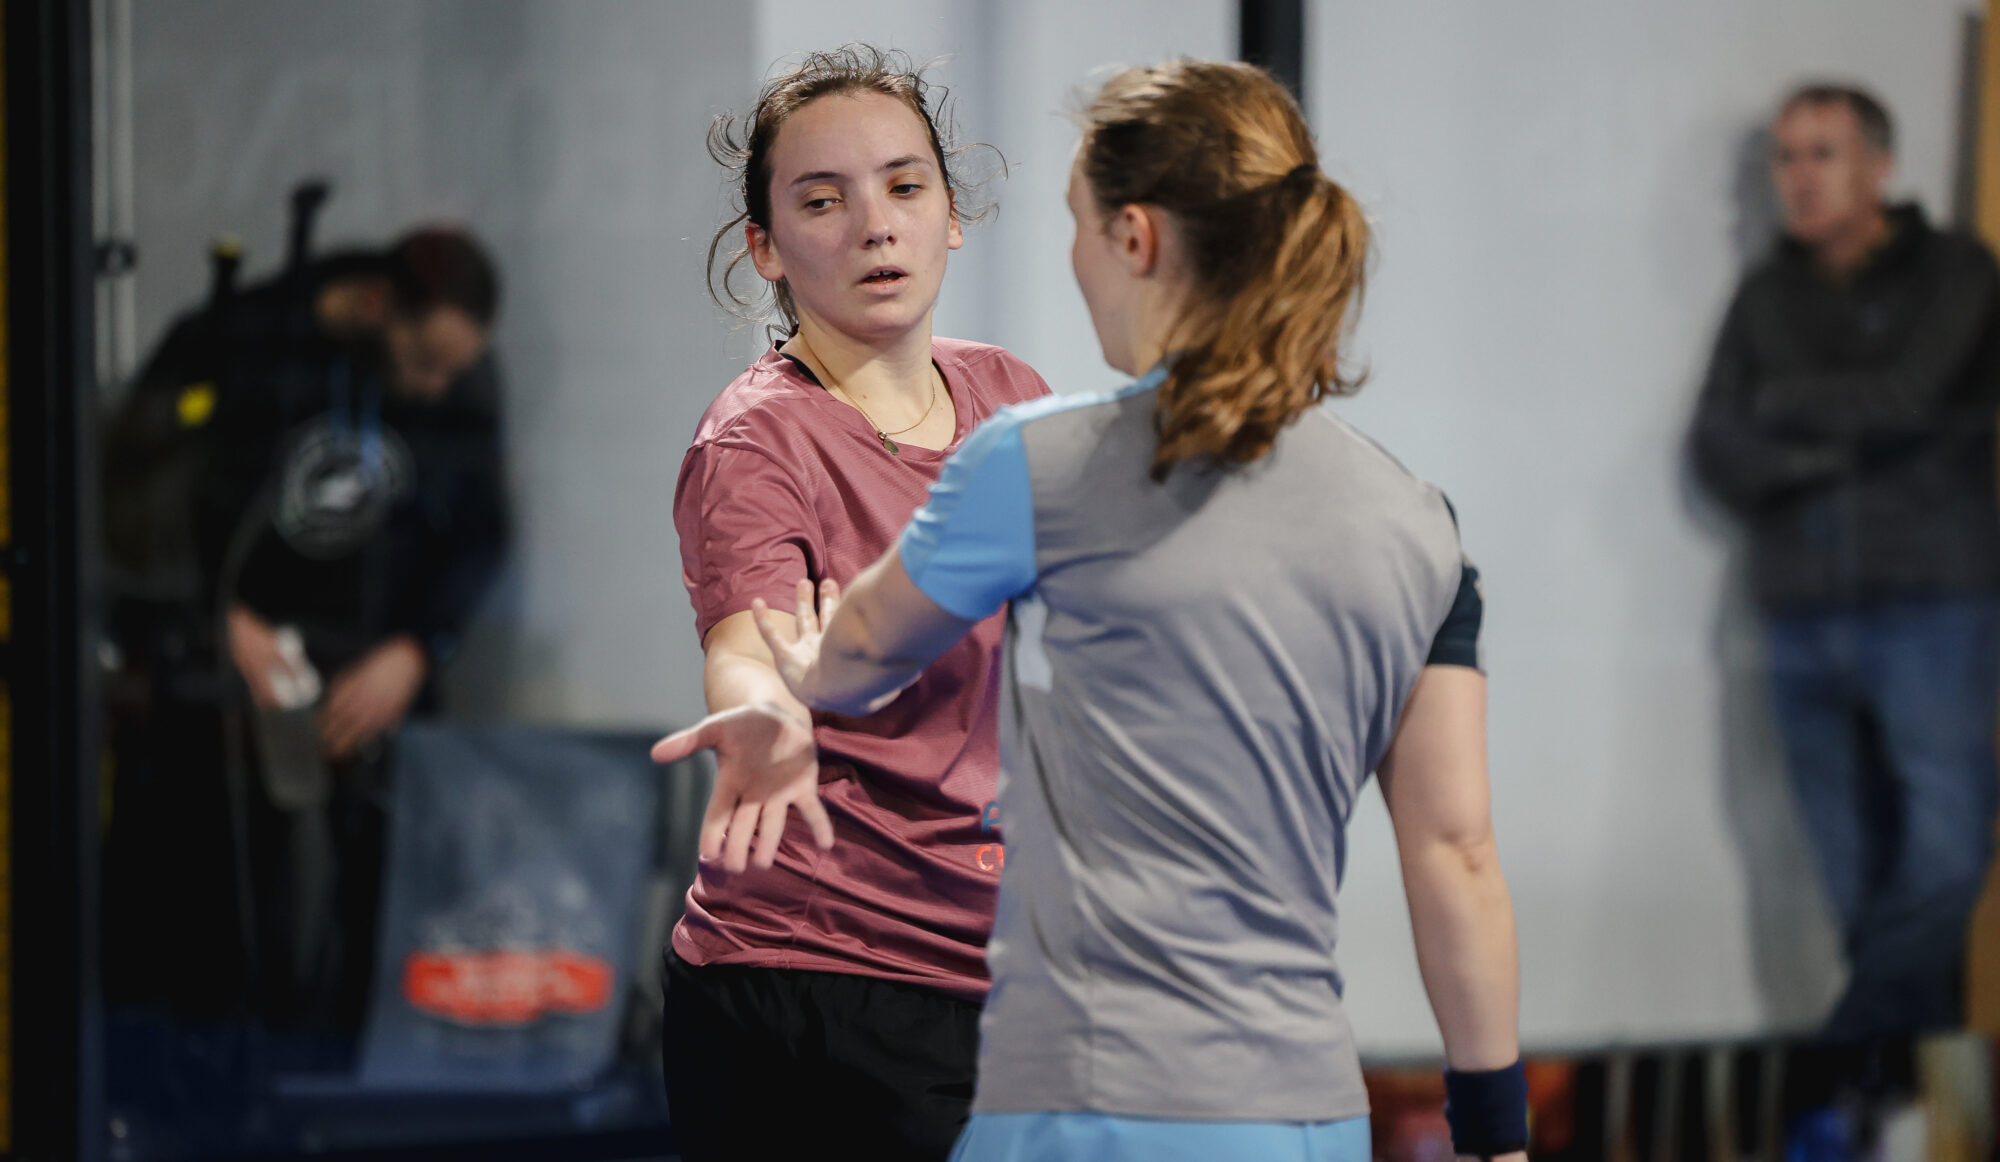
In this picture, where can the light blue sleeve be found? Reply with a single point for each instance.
(972, 545)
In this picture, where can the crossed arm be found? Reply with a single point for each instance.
(1741, 457)
(1758, 435)
(1912, 392)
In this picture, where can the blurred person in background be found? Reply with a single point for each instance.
(325, 447)
(1848, 421)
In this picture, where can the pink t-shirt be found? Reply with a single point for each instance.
(784, 481)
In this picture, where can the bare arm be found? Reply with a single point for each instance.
(759, 677)
(765, 758)
(1434, 779)
(738, 670)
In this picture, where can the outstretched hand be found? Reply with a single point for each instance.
(766, 763)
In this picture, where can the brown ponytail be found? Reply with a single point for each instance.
(1277, 250)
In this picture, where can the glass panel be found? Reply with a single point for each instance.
(402, 324)
(402, 334)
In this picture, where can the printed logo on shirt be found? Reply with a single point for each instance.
(336, 487)
(992, 856)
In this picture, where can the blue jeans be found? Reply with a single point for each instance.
(1092, 1137)
(1887, 715)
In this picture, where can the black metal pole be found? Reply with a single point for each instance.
(56, 1072)
(1272, 33)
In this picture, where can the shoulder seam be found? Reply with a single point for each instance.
(733, 422)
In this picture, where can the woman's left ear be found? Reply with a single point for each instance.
(1139, 241)
(955, 233)
(763, 255)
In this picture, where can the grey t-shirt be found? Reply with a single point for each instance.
(1200, 675)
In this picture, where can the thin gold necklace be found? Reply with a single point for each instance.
(888, 445)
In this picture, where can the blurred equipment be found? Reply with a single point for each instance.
(513, 906)
(530, 875)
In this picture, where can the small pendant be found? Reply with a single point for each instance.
(888, 445)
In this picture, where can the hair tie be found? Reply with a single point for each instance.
(1309, 172)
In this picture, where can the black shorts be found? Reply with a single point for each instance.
(790, 1065)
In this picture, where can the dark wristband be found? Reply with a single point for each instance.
(1488, 1110)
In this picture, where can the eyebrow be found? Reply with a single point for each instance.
(821, 175)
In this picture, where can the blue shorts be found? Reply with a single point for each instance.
(1088, 1137)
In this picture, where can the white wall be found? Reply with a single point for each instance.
(1556, 188)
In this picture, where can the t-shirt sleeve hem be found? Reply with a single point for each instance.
(971, 546)
(1457, 640)
(730, 557)
(725, 608)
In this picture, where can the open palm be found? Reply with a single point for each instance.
(766, 763)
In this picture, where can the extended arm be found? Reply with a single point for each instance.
(963, 554)
(875, 647)
(745, 528)
(875, 640)
(766, 761)
(738, 670)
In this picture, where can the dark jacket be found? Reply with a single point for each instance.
(315, 494)
(1852, 426)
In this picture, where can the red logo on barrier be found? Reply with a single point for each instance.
(506, 988)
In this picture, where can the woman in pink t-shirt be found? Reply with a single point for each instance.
(847, 977)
